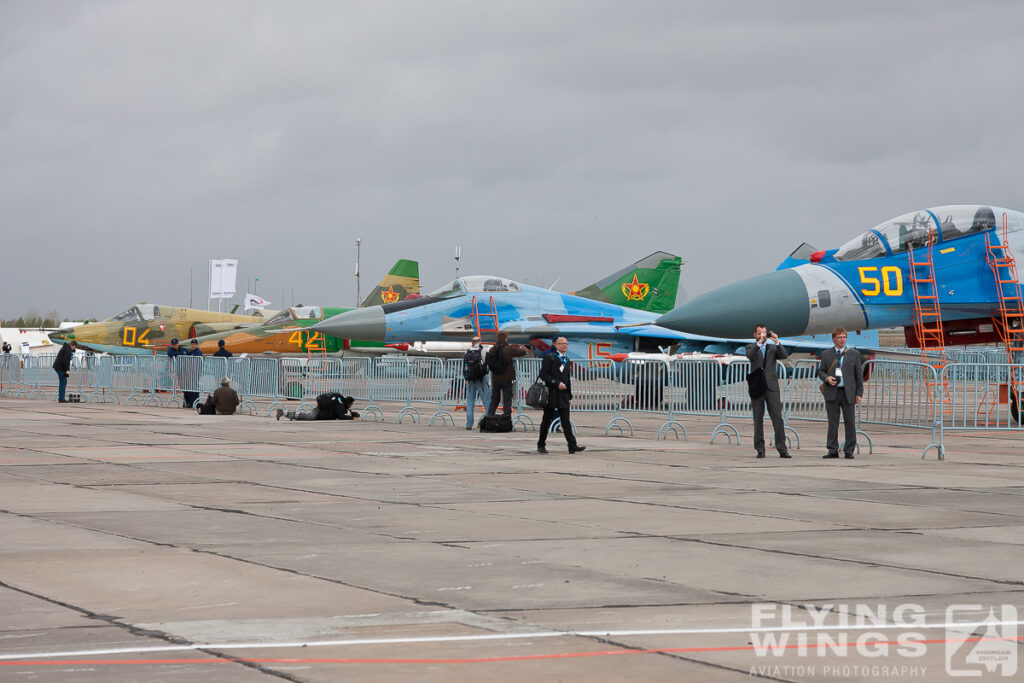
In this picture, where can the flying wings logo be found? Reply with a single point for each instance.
(390, 296)
(635, 290)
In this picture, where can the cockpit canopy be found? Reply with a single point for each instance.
(475, 284)
(138, 313)
(911, 229)
(295, 313)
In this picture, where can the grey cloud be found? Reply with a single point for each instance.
(139, 140)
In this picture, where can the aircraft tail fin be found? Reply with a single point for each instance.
(650, 284)
(401, 281)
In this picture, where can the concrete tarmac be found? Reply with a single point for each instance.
(145, 544)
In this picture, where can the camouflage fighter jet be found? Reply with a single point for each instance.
(288, 333)
(146, 326)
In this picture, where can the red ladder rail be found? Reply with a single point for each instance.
(476, 314)
(927, 309)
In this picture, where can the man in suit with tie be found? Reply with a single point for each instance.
(763, 353)
(841, 371)
(556, 373)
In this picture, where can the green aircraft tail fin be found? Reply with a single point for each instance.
(650, 284)
(402, 280)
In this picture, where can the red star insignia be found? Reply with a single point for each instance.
(635, 290)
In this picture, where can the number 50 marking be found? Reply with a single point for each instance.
(890, 284)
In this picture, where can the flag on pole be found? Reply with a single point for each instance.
(253, 302)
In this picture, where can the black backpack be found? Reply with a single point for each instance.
(496, 359)
(472, 366)
(496, 423)
(207, 408)
(326, 402)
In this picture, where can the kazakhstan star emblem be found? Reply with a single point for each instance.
(390, 296)
(635, 290)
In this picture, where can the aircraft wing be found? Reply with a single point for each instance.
(115, 350)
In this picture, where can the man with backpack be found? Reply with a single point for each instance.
(501, 362)
(474, 372)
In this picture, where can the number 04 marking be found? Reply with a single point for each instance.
(890, 283)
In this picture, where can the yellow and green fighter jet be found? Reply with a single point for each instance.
(284, 333)
(144, 327)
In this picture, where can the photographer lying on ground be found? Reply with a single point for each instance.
(332, 406)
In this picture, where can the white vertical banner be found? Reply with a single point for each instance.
(223, 273)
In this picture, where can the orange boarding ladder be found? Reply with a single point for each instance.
(928, 312)
(476, 314)
(1010, 321)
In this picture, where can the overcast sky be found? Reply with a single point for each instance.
(550, 139)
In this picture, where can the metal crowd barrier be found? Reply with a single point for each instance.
(734, 402)
(596, 389)
(40, 375)
(903, 394)
(982, 396)
(641, 389)
(453, 393)
(263, 382)
(10, 374)
(961, 396)
(527, 370)
(391, 382)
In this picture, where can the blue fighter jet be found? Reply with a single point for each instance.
(483, 304)
(954, 263)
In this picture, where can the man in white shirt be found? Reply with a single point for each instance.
(841, 371)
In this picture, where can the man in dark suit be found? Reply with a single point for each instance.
(556, 373)
(841, 371)
(763, 353)
(62, 366)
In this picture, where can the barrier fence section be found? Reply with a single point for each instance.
(391, 382)
(427, 385)
(527, 372)
(982, 396)
(641, 390)
(10, 374)
(596, 389)
(903, 394)
(264, 375)
(705, 387)
(453, 394)
(43, 377)
(122, 377)
(735, 404)
(356, 381)
(100, 387)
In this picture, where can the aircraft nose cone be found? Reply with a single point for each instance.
(364, 324)
(777, 299)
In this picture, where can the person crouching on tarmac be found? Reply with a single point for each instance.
(332, 406)
(556, 373)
